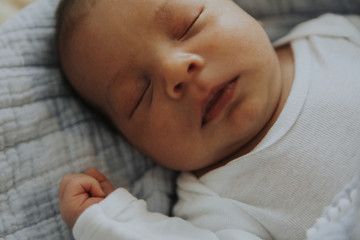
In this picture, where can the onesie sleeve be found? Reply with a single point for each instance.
(122, 216)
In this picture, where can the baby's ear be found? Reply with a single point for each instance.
(261, 24)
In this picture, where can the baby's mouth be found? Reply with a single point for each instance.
(217, 101)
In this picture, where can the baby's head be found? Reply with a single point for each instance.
(189, 83)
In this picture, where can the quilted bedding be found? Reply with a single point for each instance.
(46, 132)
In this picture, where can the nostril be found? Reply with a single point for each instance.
(178, 87)
(191, 67)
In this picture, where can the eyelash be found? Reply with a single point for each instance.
(142, 95)
(191, 24)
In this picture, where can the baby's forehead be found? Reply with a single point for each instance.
(137, 9)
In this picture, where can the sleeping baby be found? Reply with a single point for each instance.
(264, 135)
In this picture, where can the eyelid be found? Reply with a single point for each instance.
(141, 97)
(192, 23)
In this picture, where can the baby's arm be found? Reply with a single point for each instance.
(122, 216)
(77, 192)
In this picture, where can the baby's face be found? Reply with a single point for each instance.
(188, 82)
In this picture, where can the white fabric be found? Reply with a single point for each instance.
(280, 188)
(121, 216)
(341, 219)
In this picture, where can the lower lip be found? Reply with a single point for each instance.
(220, 103)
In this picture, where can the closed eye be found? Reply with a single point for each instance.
(191, 24)
(141, 97)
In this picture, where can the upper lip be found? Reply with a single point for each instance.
(213, 96)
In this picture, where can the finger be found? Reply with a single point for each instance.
(76, 184)
(105, 184)
(66, 183)
(91, 186)
(93, 172)
(80, 183)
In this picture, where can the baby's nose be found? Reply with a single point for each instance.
(179, 71)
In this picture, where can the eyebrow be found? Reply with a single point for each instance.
(163, 12)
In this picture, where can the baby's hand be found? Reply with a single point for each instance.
(77, 192)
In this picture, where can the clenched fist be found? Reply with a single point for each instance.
(77, 192)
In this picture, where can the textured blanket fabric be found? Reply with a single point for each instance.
(46, 132)
(281, 15)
